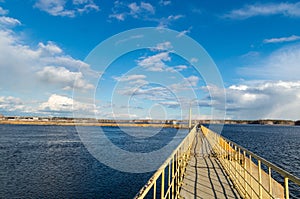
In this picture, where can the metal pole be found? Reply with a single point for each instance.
(235, 164)
(270, 181)
(250, 165)
(169, 181)
(259, 179)
(245, 176)
(154, 190)
(286, 187)
(173, 177)
(162, 191)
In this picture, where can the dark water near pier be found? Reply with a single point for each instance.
(52, 162)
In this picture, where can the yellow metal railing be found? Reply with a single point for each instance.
(251, 174)
(167, 180)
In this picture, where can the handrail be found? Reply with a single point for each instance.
(269, 164)
(237, 162)
(176, 164)
(248, 177)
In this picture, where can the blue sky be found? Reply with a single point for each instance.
(255, 45)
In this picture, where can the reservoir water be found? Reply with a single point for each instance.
(52, 162)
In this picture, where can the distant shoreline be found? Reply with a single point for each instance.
(58, 121)
(51, 123)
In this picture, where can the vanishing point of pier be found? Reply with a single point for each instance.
(206, 165)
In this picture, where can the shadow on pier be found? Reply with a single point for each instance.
(204, 177)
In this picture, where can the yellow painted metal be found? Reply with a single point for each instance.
(169, 181)
(173, 182)
(247, 175)
(286, 187)
(154, 190)
(162, 191)
(178, 162)
(270, 180)
(250, 160)
(259, 179)
(242, 166)
(235, 165)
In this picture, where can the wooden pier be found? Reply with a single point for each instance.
(204, 177)
(207, 165)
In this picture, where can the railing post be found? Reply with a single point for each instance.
(239, 155)
(162, 191)
(250, 166)
(169, 180)
(173, 176)
(259, 179)
(154, 190)
(270, 181)
(222, 148)
(286, 187)
(229, 158)
(245, 176)
(239, 163)
(219, 144)
(177, 172)
(235, 164)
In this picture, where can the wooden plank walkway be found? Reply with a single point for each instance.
(204, 177)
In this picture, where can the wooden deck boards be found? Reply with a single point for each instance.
(204, 177)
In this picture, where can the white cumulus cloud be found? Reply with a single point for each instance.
(60, 103)
(155, 62)
(163, 46)
(165, 2)
(187, 83)
(136, 10)
(57, 103)
(59, 7)
(8, 22)
(50, 47)
(282, 39)
(284, 8)
(3, 11)
(122, 10)
(130, 78)
(63, 77)
(184, 32)
(159, 62)
(35, 70)
(166, 21)
(262, 100)
(22, 62)
(149, 92)
(10, 103)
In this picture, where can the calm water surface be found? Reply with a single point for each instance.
(52, 162)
